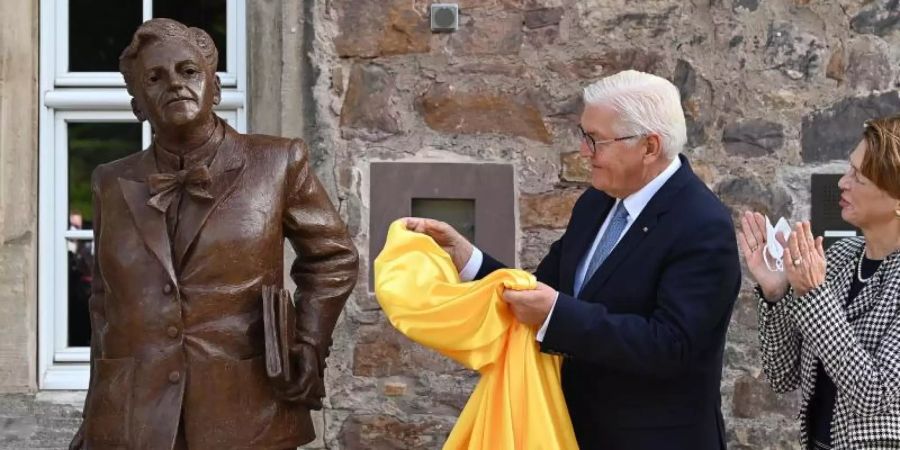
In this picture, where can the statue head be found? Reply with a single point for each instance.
(170, 71)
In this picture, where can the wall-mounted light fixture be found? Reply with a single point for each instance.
(444, 17)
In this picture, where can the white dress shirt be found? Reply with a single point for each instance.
(634, 204)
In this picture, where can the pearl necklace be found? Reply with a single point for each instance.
(859, 268)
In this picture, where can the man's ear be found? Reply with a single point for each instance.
(217, 98)
(137, 110)
(653, 148)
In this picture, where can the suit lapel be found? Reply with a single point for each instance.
(150, 223)
(642, 227)
(225, 169)
(583, 236)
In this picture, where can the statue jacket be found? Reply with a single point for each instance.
(177, 327)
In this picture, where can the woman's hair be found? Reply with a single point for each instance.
(881, 162)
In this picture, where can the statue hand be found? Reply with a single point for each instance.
(308, 384)
(78, 441)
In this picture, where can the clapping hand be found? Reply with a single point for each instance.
(804, 259)
(752, 241)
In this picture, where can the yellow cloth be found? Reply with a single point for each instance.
(518, 402)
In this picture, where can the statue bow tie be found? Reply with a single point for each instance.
(164, 186)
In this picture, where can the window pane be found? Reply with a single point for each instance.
(208, 15)
(98, 32)
(90, 144)
(458, 213)
(80, 260)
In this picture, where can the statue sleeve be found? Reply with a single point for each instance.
(326, 265)
(97, 301)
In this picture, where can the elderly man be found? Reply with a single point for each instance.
(187, 234)
(637, 294)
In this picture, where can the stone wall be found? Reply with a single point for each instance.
(18, 194)
(774, 91)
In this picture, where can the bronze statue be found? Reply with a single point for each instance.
(187, 235)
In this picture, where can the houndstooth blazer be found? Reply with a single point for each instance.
(859, 346)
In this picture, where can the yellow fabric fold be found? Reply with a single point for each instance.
(518, 402)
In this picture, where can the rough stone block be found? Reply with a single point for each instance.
(750, 193)
(370, 28)
(368, 105)
(384, 432)
(575, 168)
(868, 65)
(535, 245)
(696, 100)
(450, 110)
(381, 351)
(797, 54)
(832, 133)
(488, 35)
(753, 138)
(549, 209)
(836, 65)
(880, 18)
(753, 398)
(543, 17)
(590, 67)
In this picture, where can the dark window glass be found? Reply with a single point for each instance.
(98, 32)
(208, 15)
(80, 260)
(459, 213)
(90, 144)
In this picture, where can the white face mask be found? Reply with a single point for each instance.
(774, 250)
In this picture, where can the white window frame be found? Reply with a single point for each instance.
(91, 97)
(63, 77)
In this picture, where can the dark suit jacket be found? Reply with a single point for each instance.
(643, 344)
(187, 342)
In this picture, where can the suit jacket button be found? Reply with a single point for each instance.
(172, 332)
(174, 377)
(167, 289)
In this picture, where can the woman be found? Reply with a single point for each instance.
(830, 324)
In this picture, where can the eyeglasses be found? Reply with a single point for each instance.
(592, 144)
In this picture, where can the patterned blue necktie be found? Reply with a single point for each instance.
(607, 242)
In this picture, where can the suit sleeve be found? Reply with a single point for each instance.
(326, 265)
(779, 344)
(695, 294)
(547, 271)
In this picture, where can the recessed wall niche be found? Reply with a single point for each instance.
(478, 199)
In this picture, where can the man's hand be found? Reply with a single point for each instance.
(459, 249)
(531, 307)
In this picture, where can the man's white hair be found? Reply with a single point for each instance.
(646, 104)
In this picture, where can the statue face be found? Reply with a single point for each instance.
(174, 85)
